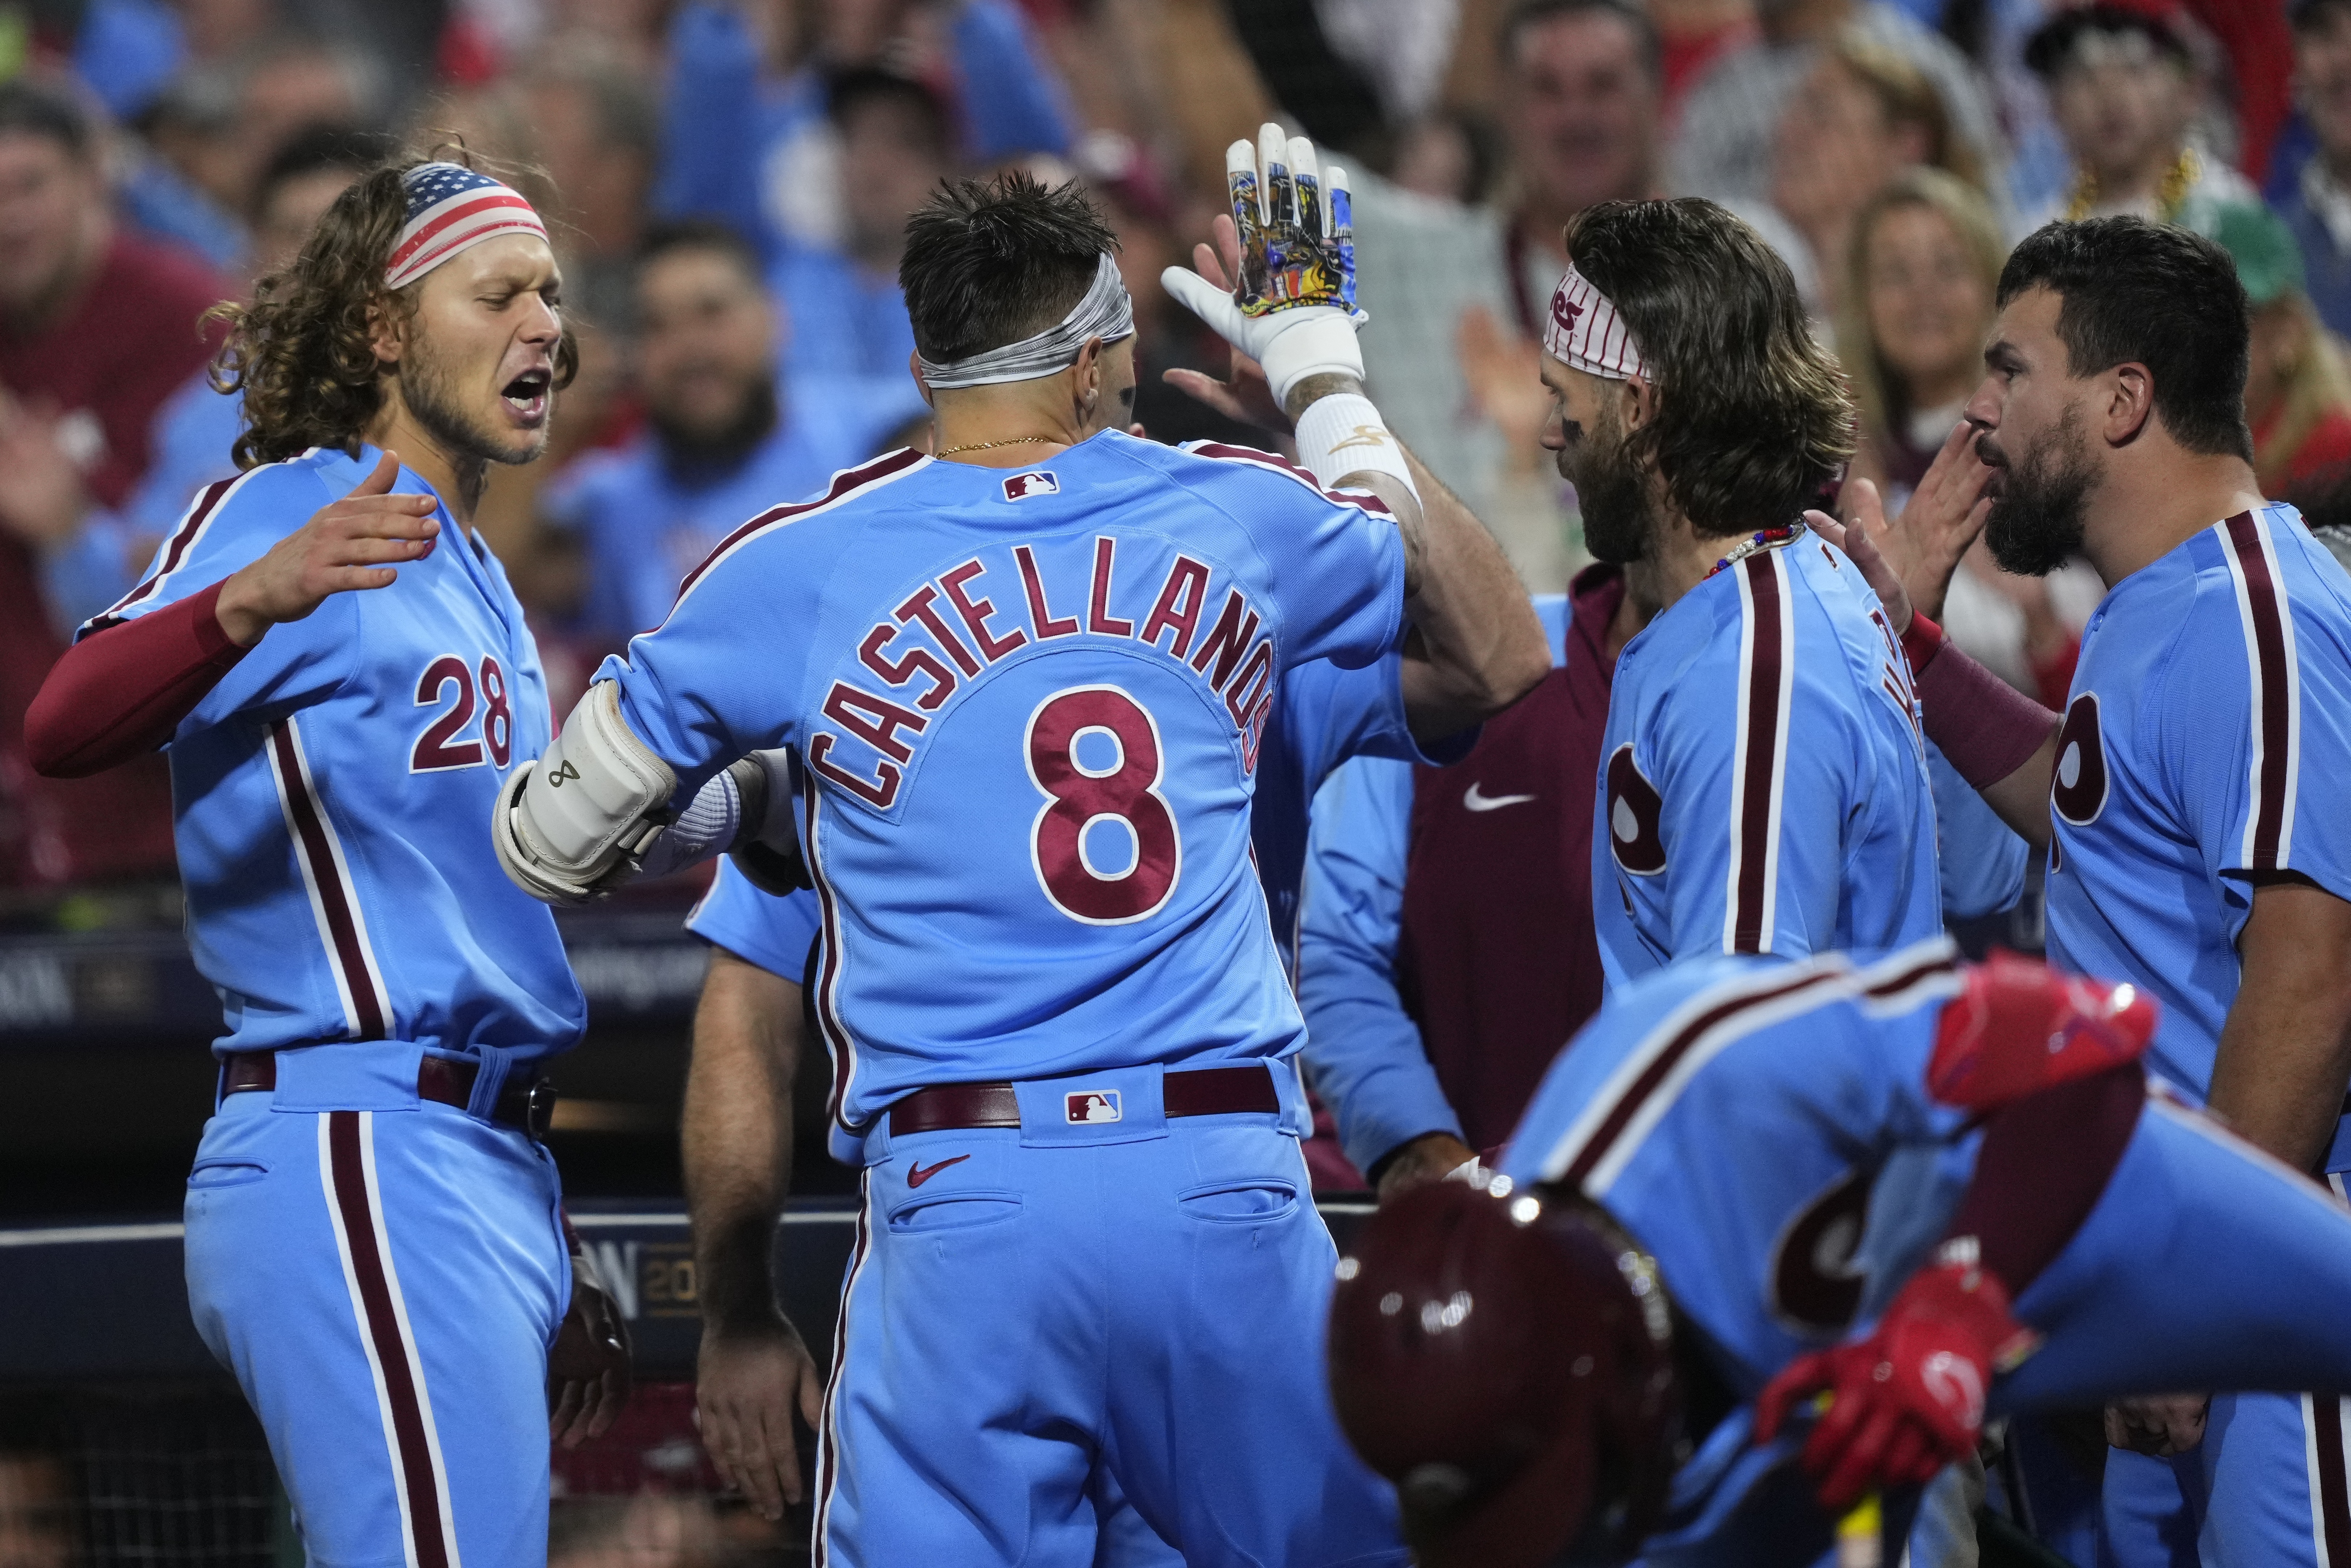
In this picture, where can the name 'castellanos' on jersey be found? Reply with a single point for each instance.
(1763, 777)
(1064, 717)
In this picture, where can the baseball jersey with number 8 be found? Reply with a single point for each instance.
(1028, 707)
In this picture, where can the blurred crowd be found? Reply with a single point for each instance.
(727, 182)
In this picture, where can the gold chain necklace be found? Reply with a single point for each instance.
(1016, 441)
(2169, 197)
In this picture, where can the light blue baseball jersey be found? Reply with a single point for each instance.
(1763, 784)
(332, 794)
(1029, 707)
(2213, 681)
(644, 524)
(1765, 1132)
(1324, 716)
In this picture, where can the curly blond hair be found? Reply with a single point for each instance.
(302, 352)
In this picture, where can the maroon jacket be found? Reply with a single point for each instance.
(118, 353)
(1497, 961)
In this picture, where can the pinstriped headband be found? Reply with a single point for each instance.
(1585, 330)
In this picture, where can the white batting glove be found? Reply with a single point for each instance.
(1294, 309)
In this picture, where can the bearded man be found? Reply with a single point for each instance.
(2215, 678)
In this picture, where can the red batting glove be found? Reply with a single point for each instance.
(1909, 1399)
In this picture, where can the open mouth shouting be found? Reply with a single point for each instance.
(527, 397)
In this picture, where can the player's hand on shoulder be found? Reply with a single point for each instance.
(1863, 535)
(588, 1375)
(2159, 1424)
(353, 543)
(749, 1381)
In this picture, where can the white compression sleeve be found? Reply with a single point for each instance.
(1343, 433)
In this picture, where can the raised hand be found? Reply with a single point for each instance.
(1283, 292)
(347, 544)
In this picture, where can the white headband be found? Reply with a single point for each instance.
(1105, 312)
(1585, 330)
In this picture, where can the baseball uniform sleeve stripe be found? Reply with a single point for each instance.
(2330, 1499)
(346, 1170)
(846, 485)
(199, 515)
(837, 1040)
(1362, 500)
(334, 902)
(827, 1458)
(1605, 1137)
(1759, 766)
(2276, 739)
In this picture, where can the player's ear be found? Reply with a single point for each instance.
(2130, 399)
(386, 326)
(1640, 401)
(1087, 378)
(914, 368)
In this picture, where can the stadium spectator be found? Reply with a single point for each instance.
(194, 428)
(2125, 91)
(598, 133)
(1925, 261)
(2297, 389)
(39, 1501)
(725, 442)
(1578, 109)
(848, 316)
(746, 137)
(1862, 116)
(1723, 147)
(1696, 34)
(97, 330)
(2317, 207)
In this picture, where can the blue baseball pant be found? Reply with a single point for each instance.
(1028, 1308)
(384, 1276)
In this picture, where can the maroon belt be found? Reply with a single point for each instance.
(1202, 1091)
(527, 1104)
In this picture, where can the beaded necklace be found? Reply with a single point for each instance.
(1762, 539)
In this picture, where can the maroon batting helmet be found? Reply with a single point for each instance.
(1506, 1360)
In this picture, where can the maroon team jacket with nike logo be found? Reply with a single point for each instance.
(1497, 962)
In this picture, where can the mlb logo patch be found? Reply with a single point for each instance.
(1093, 1104)
(1035, 482)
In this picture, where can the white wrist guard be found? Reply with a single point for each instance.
(573, 824)
(1343, 433)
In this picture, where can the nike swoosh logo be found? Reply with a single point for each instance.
(1477, 802)
(916, 1175)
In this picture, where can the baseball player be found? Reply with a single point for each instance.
(1774, 1236)
(2215, 678)
(1762, 786)
(343, 677)
(1025, 695)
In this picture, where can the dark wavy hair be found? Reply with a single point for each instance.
(301, 353)
(1753, 418)
(989, 262)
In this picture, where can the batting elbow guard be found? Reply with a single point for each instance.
(573, 825)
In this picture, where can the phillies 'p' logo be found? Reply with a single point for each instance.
(1633, 808)
(1563, 313)
(1816, 1278)
(2077, 789)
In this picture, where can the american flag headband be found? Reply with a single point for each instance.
(1585, 330)
(452, 209)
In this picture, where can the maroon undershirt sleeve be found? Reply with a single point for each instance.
(119, 693)
(2044, 1165)
(1985, 728)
